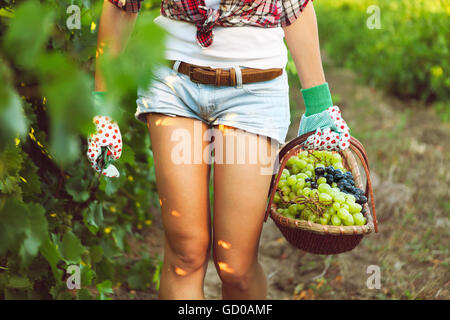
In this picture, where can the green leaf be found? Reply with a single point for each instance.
(16, 294)
(65, 296)
(51, 254)
(30, 181)
(6, 13)
(87, 275)
(13, 225)
(57, 290)
(10, 185)
(93, 216)
(111, 186)
(13, 122)
(19, 282)
(70, 105)
(36, 234)
(140, 274)
(119, 237)
(127, 155)
(11, 160)
(28, 32)
(84, 294)
(110, 249)
(105, 270)
(77, 187)
(104, 288)
(71, 248)
(64, 145)
(69, 96)
(157, 275)
(96, 253)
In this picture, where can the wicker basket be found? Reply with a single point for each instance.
(324, 239)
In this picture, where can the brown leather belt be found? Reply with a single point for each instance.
(225, 77)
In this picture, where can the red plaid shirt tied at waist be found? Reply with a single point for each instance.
(231, 13)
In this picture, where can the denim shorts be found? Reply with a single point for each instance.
(260, 108)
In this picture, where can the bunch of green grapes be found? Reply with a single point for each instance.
(316, 187)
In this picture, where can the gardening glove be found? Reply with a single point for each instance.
(105, 145)
(330, 129)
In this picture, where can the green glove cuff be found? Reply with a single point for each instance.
(320, 120)
(99, 93)
(99, 96)
(99, 99)
(317, 99)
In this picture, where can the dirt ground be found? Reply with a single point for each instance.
(408, 149)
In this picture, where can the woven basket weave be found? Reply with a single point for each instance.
(324, 239)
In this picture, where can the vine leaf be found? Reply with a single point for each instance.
(77, 187)
(51, 254)
(13, 225)
(84, 294)
(104, 288)
(93, 216)
(12, 117)
(19, 282)
(71, 248)
(35, 234)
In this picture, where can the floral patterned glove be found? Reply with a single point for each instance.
(105, 145)
(331, 130)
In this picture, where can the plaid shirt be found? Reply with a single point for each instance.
(127, 5)
(231, 13)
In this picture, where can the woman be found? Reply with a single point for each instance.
(225, 80)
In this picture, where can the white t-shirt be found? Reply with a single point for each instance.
(248, 46)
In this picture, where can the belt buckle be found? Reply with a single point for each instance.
(191, 72)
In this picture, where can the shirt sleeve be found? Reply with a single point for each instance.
(128, 5)
(291, 10)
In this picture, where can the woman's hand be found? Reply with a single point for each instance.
(331, 130)
(105, 145)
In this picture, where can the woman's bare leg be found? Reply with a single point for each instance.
(240, 194)
(184, 197)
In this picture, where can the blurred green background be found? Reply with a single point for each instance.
(392, 83)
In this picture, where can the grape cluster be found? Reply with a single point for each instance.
(337, 178)
(315, 186)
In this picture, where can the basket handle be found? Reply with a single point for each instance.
(288, 146)
(283, 155)
(359, 150)
(281, 164)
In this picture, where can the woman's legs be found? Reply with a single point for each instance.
(240, 194)
(184, 197)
